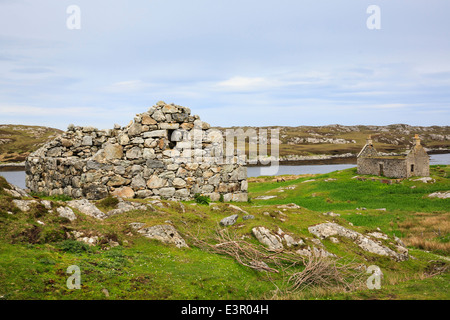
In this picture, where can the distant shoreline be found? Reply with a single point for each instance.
(20, 166)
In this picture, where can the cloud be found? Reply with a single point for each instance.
(242, 84)
(128, 86)
(32, 70)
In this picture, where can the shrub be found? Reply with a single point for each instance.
(221, 199)
(73, 246)
(53, 235)
(200, 199)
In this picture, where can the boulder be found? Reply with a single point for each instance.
(229, 221)
(66, 212)
(267, 238)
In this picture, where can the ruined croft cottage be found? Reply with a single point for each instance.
(414, 163)
(163, 153)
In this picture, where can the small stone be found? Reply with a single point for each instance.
(87, 141)
(229, 221)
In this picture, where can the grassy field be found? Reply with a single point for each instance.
(17, 141)
(35, 250)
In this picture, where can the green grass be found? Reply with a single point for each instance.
(34, 257)
(347, 194)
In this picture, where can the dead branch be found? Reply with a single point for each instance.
(245, 253)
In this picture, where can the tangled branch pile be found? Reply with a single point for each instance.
(318, 272)
(249, 255)
(325, 273)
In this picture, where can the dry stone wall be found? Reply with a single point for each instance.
(165, 152)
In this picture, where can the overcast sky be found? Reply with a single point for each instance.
(246, 62)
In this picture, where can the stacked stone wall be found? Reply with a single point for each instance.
(165, 152)
(391, 168)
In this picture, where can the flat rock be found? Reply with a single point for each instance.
(165, 233)
(125, 206)
(425, 180)
(24, 205)
(289, 206)
(15, 191)
(88, 208)
(329, 229)
(440, 195)
(265, 197)
(236, 208)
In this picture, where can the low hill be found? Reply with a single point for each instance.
(295, 143)
(307, 237)
(18, 141)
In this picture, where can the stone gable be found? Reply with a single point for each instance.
(164, 152)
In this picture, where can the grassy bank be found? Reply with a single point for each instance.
(35, 249)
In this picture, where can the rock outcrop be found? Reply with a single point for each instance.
(165, 233)
(330, 229)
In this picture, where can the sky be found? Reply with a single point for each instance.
(233, 63)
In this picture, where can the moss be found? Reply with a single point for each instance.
(109, 202)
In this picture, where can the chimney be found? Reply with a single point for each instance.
(369, 140)
(416, 137)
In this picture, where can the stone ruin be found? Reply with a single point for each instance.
(164, 153)
(415, 162)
